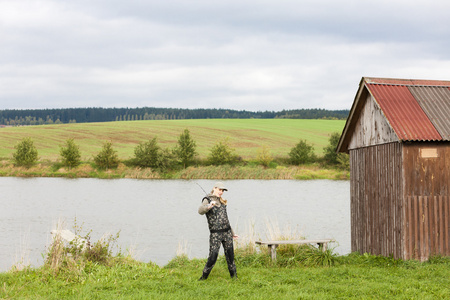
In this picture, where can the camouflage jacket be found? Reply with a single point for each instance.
(217, 216)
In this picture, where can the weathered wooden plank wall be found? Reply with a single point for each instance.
(427, 200)
(376, 191)
(372, 127)
(427, 169)
(427, 226)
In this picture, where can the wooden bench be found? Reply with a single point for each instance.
(323, 244)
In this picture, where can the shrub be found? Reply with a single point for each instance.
(146, 154)
(107, 158)
(101, 251)
(166, 160)
(222, 153)
(70, 154)
(343, 160)
(26, 153)
(185, 151)
(150, 155)
(302, 153)
(330, 155)
(264, 157)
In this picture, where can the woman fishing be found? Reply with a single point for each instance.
(215, 208)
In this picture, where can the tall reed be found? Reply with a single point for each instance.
(248, 253)
(22, 258)
(72, 256)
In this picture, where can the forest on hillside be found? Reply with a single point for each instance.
(18, 117)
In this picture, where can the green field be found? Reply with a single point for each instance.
(246, 136)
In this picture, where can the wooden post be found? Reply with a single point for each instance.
(273, 251)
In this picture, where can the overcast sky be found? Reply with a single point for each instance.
(252, 55)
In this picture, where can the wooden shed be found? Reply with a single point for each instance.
(398, 138)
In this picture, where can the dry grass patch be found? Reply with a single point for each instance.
(142, 173)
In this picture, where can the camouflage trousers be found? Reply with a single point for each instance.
(215, 239)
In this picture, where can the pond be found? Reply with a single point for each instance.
(154, 218)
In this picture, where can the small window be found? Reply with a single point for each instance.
(428, 153)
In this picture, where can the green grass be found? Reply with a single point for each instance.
(247, 136)
(351, 277)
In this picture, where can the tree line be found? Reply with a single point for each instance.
(17, 117)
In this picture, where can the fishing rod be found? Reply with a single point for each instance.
(207, 196)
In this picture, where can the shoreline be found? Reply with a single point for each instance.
(225, 172)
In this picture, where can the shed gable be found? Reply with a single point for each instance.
(415, 110)
(371, 127)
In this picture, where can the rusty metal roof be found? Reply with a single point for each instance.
(408, 82)
(416, 109)
(435, 102)
(404, 113)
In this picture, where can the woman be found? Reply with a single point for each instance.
(215, 208)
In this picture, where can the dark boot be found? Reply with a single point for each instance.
(229, 255)
(204, 276)
(209, 265)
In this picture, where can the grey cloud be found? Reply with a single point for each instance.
(253, 55)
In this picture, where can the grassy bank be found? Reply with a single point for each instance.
(87, 170)
(350, 277)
